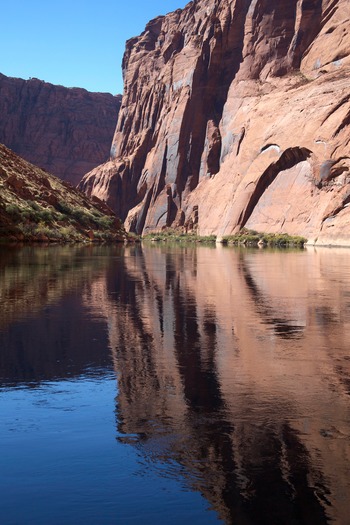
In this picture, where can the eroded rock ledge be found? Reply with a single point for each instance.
(235, 114)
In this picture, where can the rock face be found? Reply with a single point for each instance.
(67, 131)
(236, 113)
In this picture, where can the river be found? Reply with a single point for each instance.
(162, 384)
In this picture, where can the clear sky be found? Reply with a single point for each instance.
(73, 42)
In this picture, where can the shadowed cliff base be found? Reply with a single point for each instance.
(235, 114)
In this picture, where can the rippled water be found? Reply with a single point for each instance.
(151, 385)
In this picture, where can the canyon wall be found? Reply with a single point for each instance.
(67, 131)
(235, 113)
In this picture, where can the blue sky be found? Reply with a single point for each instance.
(73, 42)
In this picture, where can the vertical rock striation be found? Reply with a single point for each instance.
(235, 113)
(67, 131)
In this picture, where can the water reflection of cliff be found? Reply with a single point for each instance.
(43, 333)
(233, 370)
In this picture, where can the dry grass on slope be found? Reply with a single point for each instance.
(36, 206)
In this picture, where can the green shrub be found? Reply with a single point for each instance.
(43, 229)
(34, 205)
(68, 233)
(46, 215)
(28, 230)
(64, 208)
(252, 238)
(104, 221)
(12, 209)
(171, 235)
(82, 216)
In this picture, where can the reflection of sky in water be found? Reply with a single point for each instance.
(61, 463)
(233, 380)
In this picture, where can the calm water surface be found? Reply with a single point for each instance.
(152, 385)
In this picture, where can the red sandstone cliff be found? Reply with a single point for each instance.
(67, 131)
(235, 113)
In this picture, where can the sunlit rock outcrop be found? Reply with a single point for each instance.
(235, 113)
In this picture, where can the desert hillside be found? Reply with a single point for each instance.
(36, 206)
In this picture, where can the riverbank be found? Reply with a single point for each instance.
(244, 237)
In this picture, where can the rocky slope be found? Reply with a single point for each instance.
(67, 131)
(235, 113)
(36, 206)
